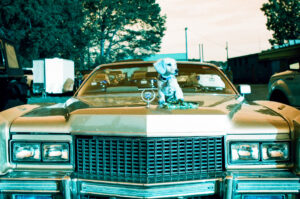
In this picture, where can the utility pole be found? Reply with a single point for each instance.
(186, 45)
(202, 52)
(200, 59)
(226, 50)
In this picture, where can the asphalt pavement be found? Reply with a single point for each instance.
(258, 92)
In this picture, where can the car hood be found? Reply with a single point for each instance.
(216, 115)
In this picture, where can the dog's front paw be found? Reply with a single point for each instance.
(162, 103)
(180, 101)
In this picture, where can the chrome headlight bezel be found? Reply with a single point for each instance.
(266, 152)
(44, 157)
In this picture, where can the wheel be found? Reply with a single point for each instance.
(15, 94)
(279, 96)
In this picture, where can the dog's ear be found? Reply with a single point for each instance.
(160, 66)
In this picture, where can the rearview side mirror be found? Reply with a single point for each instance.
(295, 66)
(244, 89)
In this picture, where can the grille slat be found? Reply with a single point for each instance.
(119, 156)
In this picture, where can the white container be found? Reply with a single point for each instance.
(54, 76)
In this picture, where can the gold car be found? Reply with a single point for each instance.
(119, 143)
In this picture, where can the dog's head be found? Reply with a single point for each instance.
(166, 67)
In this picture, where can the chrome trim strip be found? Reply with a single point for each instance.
(143, 134)
(150, 185)
(67, 187)
(138, 197)
(50, 178)
(269, 179)
(259, 185)
(42, 138)
(259, 137)
(29, 187)
(154, 192)
(284, 167)
(33, 179)
(271, 190)
(27, 191)
(64, 167)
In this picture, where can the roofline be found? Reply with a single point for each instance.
(152, 62)
(280, 53)
(242, 56)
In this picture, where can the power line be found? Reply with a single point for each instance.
(215, 43)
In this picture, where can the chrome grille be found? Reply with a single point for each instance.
(131, 156)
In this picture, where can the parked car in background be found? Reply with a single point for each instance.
(118, 142)
(284, 87)
(13, 88)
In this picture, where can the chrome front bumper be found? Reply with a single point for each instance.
(281, 184)
(233, 185)
(33, 183)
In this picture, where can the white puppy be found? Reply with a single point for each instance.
(168, 87)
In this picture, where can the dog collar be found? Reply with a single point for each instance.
(164, 78)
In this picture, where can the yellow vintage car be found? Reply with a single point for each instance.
(118, 142)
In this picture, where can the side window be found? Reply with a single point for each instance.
(11, 56)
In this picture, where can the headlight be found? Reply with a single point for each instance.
(40, 152)
(275, 151)
(26, 152)
(55, 152)
(260, 152)
(244, 152)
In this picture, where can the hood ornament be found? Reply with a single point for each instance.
(148, 95)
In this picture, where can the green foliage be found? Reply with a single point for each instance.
(123, 28)
(43, 29)
(87, 31)
(283, 18)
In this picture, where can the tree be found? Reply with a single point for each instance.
(283, 18)
(44, 29)
(71, 29)
(123, 28)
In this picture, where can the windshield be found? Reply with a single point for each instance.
(136, 84)
(133, 78)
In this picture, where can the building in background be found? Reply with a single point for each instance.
(259, 67)
(249, 69)
(253, 68)
(282, 56)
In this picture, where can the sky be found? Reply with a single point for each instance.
(212, 23)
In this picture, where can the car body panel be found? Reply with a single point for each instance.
(122, 129)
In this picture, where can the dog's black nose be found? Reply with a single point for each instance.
(176, 72)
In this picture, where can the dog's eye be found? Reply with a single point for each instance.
(169, 64)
